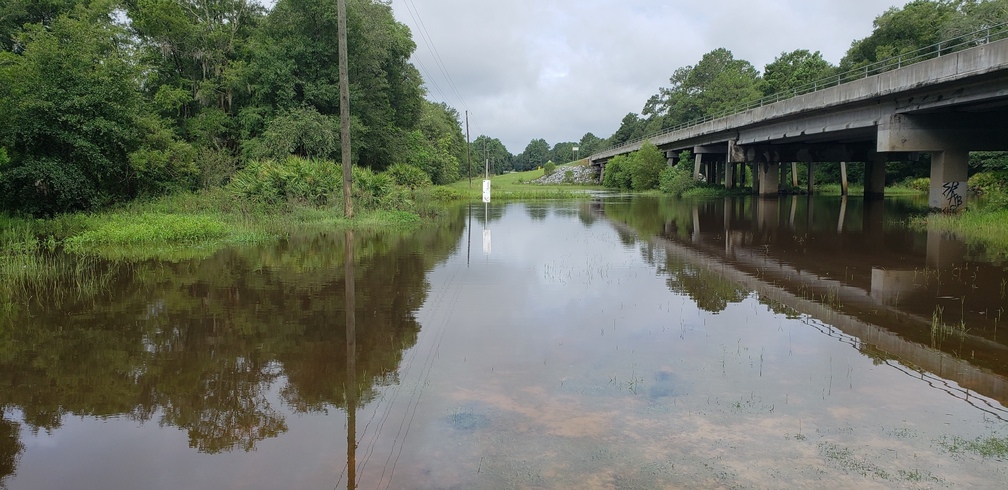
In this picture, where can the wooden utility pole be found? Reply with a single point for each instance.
(344, 86)
(468, 156)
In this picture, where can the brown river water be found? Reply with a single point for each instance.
(615, 342)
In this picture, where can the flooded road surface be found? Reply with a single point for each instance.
(618, 343)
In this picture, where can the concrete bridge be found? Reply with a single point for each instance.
(945, 106)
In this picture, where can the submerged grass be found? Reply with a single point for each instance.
(987, 447)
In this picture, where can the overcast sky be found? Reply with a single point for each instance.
(557, 69)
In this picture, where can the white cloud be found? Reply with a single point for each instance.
(556, 69)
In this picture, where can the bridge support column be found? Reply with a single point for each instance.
(729, 178)
(696, 167)
(769, 179)
(794, 174)
(811, 178)
(874, 179)
(843, 179)
(948, 180)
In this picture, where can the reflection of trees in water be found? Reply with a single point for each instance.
(201, 343)
(538, 212)
(651, 217)
(10, 447)
(708, 289)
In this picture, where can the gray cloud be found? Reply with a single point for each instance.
(556, 69)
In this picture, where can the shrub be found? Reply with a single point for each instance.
(922, 184)
(617, 173)
(303, 132)
(409, 176)
(549, 168)
(646, 165)
(676, 181)
(984, 182)
(292, 179)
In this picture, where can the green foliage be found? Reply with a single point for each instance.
(549, 168)
(291, 180)
(491, 149)
(900, 30)
(301, 132)
(446, 194)
(589, 144)
(639, 171)
(717, 84)
(129, 229)
(632, 128)
(535, 155)
(71, 107)
(294, 63)
(676, 180)
(163, 164)
(408, 176)
(993, 186)
(646, 165)
(980, 161)
(921, 184)
(794, 70)
(617, 174)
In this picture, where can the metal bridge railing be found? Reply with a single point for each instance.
(941, 48)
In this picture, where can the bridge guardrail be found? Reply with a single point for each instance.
(941, 48)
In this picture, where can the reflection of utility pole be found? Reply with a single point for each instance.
(344, 107)
(351, 359)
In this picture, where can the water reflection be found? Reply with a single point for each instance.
(641, 343)
(210, 346)
(923, 299)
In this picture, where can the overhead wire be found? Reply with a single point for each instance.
(421, 29)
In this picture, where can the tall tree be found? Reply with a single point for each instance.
(589, 144)
(631, 128)
(900, 30)
(295, 64)
(72, 110)
(794, 70)
(496, 152)
(717, 84)
(195, 48)
(536, 154)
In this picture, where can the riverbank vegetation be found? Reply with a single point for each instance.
(984, 222)
(106, 106)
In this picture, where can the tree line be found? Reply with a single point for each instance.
(104, 101)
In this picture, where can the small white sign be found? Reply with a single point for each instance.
(486, 190)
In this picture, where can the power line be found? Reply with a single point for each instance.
(421, 29)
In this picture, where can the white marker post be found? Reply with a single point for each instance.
(486, 216)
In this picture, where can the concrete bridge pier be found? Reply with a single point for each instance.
(948, 180)
(811, 178)
(769, 179)
(874, 179)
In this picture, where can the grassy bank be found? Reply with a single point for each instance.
(181, 226)
(519, 186)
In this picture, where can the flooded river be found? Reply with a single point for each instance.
(609, 343)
